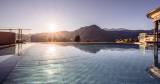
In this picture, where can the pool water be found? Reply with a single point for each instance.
(67, 63)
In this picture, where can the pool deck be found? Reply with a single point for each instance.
(7, 65)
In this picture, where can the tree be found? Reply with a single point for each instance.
(77, 38)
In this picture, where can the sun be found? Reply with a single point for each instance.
(52, 27)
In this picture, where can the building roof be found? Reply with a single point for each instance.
(154, 14)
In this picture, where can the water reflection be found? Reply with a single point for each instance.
(81, 64)
(154, 68)
(8, 51)
(144, 47)
(154, 48)
(51, 52)
(19, 49)
(96, 47)
(13, 50)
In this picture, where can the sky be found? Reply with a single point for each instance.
(68, 15)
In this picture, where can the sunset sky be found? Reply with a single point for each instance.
(58, 15)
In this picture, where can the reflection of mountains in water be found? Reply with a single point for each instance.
(96, 47)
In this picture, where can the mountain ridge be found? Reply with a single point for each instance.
(92, 33)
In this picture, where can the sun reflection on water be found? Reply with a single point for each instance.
(51, 71)
(51, 50)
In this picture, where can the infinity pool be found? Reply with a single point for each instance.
(70, 63)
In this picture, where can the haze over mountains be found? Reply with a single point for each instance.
(92, 33)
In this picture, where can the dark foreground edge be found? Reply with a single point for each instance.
(7, 66)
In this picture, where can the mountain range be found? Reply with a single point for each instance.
(115, 29)
(92, 33)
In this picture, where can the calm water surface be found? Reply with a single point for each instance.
(44, 63)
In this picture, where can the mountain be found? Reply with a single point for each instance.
(92, 33)
(115, 29)
(62, 36)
